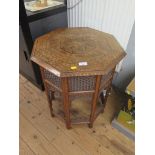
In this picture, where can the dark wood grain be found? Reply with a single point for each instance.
(66, 101)
(94, 101)
(47, 92)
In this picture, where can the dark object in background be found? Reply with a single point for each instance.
(33, 25)
(125, 119)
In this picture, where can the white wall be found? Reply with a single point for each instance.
(112, 16)
(124, 77)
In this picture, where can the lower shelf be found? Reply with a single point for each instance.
(79, 111)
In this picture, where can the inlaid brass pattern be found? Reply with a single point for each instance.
(64, 47)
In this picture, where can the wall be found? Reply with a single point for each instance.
(112, 16)
(122, 79)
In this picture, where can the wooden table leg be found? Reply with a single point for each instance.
(52, 95)
(66, 102)
(108, 90)
(49, 98)
(106, 97)
(94, 100)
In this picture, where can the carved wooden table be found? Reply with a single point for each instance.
(77, 61)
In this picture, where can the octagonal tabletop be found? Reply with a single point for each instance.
(77, 52)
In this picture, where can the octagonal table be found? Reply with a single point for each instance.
(77, 61)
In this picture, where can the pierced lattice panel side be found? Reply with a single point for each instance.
(80, 83)
(106, 78)
(52, 78)
(77, 83)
